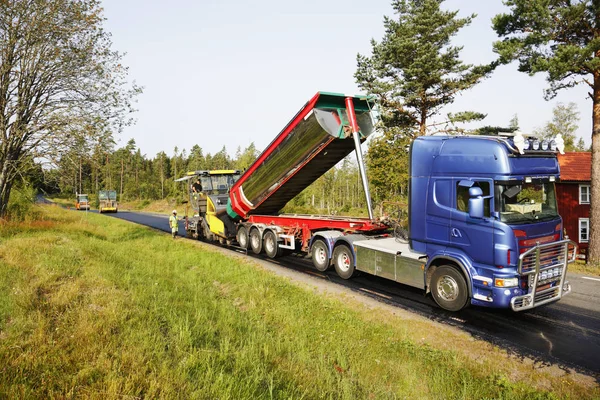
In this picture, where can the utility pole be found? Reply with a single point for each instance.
(80, 185)
(121, 196)
(162, 178)
(108, 174)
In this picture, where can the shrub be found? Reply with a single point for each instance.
(20, 203)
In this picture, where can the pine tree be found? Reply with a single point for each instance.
(414, 71)
(560, 38)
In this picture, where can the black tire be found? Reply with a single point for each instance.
(272, 249)
(256, 243)
(242, 237)
(343, 261)
(206, 233)
(449, 288)
(320, 255)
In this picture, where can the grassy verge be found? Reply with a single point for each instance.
(156, 206)
(98, 308)
(61, 201)
(580, 267)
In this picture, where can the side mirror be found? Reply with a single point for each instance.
(475, 203)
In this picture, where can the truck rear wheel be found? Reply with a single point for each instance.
(320, 255)
(242, 237)
(255, 241)
(271, 246)
(343, 260)
(449, 288)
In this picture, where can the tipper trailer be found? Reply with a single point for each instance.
(483, 222)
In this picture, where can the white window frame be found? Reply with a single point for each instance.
(586, 222)
(581, 199)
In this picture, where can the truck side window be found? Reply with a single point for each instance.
(462, 197)
(443, 192)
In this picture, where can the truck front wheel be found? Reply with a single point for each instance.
(343, 260)
(449, 288)
(320, 255)
(255, 241)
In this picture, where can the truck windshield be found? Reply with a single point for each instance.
(107, 195)
(525, 203)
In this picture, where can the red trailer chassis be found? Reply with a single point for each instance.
(303, 227)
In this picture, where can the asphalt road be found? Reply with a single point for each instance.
(566, 333)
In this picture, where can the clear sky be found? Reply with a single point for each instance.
(230, 72)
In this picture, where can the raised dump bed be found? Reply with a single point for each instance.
(317, 138)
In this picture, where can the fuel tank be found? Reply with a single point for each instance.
(315, 140)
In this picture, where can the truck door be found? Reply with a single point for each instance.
(439, 211)
(473, 236)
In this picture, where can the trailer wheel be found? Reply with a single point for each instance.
(320, 255)
(271, 246)
(255, 241)
(242, 237)
(343, 260)
(449, 288)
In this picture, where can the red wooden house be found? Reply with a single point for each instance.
(573, 194)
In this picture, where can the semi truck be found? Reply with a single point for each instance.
(483, 224)
(107, 201)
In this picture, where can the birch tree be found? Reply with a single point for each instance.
(60, 82)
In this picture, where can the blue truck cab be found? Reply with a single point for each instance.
(484, 225)
(478, 205)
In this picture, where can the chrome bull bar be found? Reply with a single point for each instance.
(545, 265)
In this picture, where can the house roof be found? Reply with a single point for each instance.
(575, 166)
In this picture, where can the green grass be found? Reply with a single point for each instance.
(99, 308)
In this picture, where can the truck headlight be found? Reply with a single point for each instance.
(506, 282)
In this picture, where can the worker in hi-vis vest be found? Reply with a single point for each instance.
(174, 224)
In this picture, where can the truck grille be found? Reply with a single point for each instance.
(550, 256)
(545, 267)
